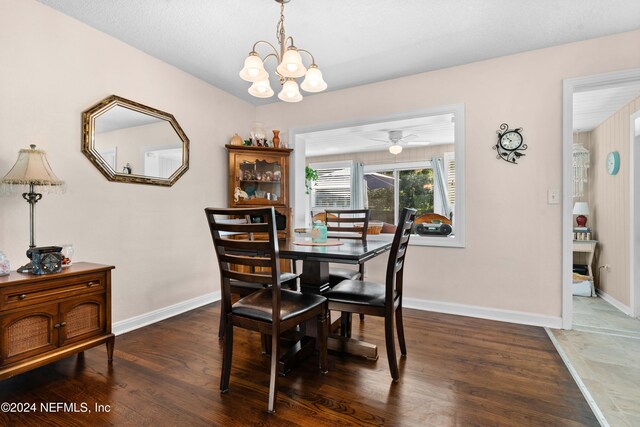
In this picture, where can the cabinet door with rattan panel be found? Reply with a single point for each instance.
(26, 333)
(81, 318)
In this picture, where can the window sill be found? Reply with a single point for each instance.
(416, 240)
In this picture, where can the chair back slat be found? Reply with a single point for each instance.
(235, 248)
(244, 260)
(395, 265)
(354, 221)
(264, 278)
(263, 246)
(244, 228)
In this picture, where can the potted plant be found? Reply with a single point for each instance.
(310, 176)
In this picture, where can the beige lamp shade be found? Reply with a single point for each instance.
(581, 208)
(31, 167)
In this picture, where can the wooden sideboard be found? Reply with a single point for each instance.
(46, 318)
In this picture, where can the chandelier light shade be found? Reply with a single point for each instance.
(261, 89)
(395, 149)
(289, 67)
(290, 91)
(313, 81)
(30, 170)
(253, 70)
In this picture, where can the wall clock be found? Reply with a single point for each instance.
(613, 163)
(510, 144)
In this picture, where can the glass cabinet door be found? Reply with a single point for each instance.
(260, 179)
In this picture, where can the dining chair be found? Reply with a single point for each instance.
(270, 310)
(383, 300)
(346, 224)
(289, 280)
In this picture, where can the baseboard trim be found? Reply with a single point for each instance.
(142, 320)
(510, 316)
(614, 302)
(484, 312)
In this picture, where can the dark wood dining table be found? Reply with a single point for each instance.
(315, 279)
(316, 259)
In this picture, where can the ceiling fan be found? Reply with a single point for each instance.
(397, 138)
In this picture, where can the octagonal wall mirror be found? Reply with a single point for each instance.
(130, 142)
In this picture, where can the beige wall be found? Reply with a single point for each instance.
(52, 69)
(512, 258)
(610, 198)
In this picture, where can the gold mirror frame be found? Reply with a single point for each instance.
(89, 148)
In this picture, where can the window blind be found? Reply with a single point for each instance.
(332, 189)
(450, 166)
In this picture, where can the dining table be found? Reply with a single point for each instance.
(314, 279)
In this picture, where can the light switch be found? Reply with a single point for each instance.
(553, 196)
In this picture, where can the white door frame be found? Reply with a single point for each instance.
(634, 189)
(570, 86)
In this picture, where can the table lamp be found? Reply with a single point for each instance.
(32, 169)
(581, 209)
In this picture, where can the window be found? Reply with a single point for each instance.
(333, 187)
(389, 188)
(428, 174)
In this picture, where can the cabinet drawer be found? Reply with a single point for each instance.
(27, 294)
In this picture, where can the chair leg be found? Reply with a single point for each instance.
(400, 329)
(361, 268)
(323, 333)
(273, 380)
(221, 327)
(226, 358)
(391, 347)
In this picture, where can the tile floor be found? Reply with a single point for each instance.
(604, 349)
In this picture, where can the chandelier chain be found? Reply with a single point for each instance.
(280, 34)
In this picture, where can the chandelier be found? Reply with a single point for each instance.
(290, 67)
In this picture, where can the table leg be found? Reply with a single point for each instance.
(315, 277)
(345, 344)
(352, 346)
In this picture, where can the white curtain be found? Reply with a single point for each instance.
(440, 199)
(358, 186)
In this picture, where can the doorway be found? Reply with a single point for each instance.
(599, 333)
(634, 186)
(572, 87)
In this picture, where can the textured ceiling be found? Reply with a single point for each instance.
(354, 42)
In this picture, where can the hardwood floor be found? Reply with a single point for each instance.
(459, 371)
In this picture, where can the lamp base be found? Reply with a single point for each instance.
(581, 220)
